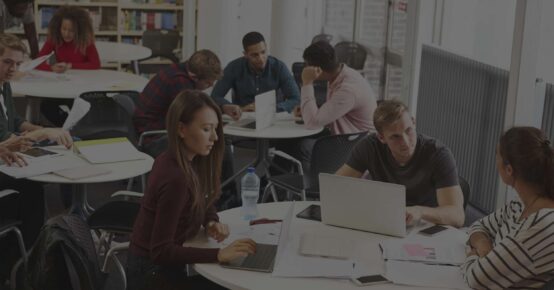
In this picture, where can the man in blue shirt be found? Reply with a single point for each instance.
(253, 74)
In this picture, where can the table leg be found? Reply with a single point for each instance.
(79, 204)
(32, 109)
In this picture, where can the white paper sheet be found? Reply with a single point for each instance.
(261, 233)
(112, 151)
(292, 264)
(423, 275)
(78, 111)
(29, 65)
(38, 166)
(446, 248)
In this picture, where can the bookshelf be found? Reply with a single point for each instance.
(117, 21)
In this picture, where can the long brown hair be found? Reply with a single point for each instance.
(82, 26)
(203, 173)
(529, 153)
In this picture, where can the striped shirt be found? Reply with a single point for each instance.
(523, 251)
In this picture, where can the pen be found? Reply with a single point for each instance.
(264, 221)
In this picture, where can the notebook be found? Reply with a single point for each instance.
(82, 172)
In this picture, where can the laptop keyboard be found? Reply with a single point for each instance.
(263, 259)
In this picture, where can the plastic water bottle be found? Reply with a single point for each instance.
(250, 191)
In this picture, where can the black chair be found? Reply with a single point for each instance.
(107, 117)
(163, 44)
(12, 226)
(322, 37)
(320, 87)
(328, 155)
(351, 53)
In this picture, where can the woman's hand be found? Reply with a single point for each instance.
(10, 158)
(217, 231)
(60, 67)
(17, 143)
(237, 249)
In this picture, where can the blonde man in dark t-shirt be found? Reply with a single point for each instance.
(425, 166)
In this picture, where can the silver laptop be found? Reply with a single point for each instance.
(266, 255)
(264, 114)
(362, 204)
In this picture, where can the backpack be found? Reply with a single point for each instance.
(64, 257)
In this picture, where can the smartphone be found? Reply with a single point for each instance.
(312, 212)
(430, 231)
(52, 59)
(370, 280)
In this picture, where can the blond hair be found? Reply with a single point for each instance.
(12, 42)
(388, 112)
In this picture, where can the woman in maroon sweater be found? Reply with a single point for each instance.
(183, 187)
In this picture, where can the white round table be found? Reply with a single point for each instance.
(118, 171)
(241, 279)
(123, 52)
(71, 84)
(284, 127)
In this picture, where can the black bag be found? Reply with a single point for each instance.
(64, 257)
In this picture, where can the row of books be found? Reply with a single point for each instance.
(149, 1)
(46, 13)
(134, 20)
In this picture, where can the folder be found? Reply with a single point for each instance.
(107, 150)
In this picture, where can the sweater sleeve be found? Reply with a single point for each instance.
(47, 48)
(93, 60)
(173, 197)
(334, 108)
(516, 260)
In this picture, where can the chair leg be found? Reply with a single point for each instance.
(23, 260)
(268, 190)
(303, 195)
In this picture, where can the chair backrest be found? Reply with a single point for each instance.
(110, 115)
(162, 42)
(329, 154)
(351, 53)
(322, 37)
(320, 87)
(466, 190)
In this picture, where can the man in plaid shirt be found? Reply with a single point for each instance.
(199, 72)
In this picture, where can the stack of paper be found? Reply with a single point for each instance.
(107, 150)
(82, 172)
(38, 166)
(431, 252)
(423, 275)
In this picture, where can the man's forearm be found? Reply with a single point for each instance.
(443, 215)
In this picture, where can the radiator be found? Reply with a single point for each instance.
(462, 103)
(548, 113)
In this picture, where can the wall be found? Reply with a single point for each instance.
(545, 68)
(221, 24)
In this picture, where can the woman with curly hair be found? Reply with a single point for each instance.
(71, 38)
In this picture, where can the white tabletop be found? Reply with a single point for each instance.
(283, 127)
(118, 170)
(241, 279)
(118, 51)
(72, 83)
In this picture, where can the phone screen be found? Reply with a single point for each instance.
(312, 212)
(371, 279)
(432, 230)
(38, 152)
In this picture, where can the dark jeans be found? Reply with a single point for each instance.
(27, 206)
(142, 274)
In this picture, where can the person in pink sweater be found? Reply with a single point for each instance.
(71, 38)
(350, 100)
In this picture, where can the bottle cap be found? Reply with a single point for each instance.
(251, 169)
